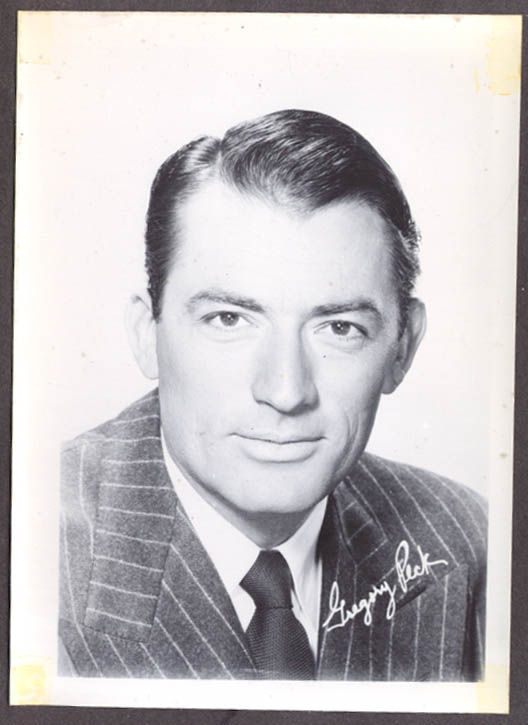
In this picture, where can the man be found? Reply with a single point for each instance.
(229, 524)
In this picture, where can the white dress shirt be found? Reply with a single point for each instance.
(233, 554)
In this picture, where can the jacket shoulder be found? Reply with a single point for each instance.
(423, 506)
(417, 479)
(81, 457)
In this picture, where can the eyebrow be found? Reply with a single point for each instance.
(359, 304)
(223, 298)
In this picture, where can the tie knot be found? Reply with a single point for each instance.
(269, 581)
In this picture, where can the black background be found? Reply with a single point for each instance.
(519, 628)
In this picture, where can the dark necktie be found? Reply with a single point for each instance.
(278, 641)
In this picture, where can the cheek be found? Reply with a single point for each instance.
(350, 396)
(353, 384)
(183, 365)
(201, 389)
(181, 375)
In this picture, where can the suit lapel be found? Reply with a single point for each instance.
(350, 538)
(151, 580)
(196, 610)
(134, 526)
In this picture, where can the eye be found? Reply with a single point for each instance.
(226, 320)
(347, 330)
(343, 331)
(342, 328)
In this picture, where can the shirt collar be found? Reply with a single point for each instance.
(300, 551)
(231, 551)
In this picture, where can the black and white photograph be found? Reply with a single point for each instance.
(263, 360)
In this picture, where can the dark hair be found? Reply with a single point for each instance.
(302, 160)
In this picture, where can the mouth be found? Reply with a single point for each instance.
(270, 448)
(270, 438)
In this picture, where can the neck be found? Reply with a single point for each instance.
(266, 530)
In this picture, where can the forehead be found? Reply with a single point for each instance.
(259, 248)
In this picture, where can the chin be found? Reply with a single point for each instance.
(281, 499)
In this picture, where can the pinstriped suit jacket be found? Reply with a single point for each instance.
(140, 597)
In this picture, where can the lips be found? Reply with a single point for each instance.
(270, 448)
(279, 440)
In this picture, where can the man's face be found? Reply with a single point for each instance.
(277, 336)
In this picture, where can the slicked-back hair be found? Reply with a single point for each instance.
(298, 160)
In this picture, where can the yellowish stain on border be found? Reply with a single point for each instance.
(504, 55)
(477, 80)
(35, 37)
(493, 693)
(30, 682)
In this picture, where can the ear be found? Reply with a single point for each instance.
(407, 346)
(141, 329)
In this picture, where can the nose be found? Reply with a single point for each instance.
(284, 377)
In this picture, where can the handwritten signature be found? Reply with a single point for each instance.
(340, 613)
